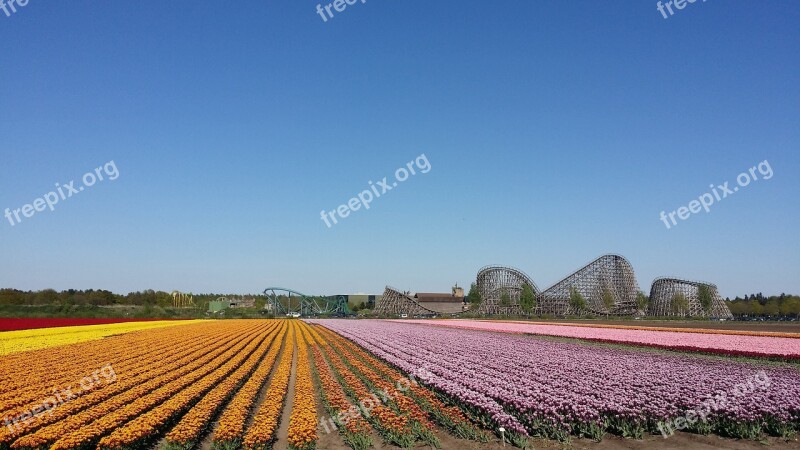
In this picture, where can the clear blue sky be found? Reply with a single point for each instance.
(556, 132)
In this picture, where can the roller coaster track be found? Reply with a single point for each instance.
(608, 278)
(665, 300)
(305, 305)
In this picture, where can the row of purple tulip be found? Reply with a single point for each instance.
(534, 386)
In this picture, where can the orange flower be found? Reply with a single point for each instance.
(69, 421)
(303, 421)
(232, 420)
(186, 433)
(265, 422)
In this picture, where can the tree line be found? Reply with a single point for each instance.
(757, 305)
(96, 297)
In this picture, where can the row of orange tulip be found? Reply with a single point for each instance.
(146, 426)
(20, 388)
(449, 416)
(392, 393)
(88, 436)
(44, 368)
(83, 410)
(265, 422)
(230, 430)
(354, 429)
(303, 420)
(109, 350)
(77, 424)
(396, 428)
(188, 431)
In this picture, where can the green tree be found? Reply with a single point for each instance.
(505, 298)
(705, 297)
(12, 297)
(772, 308)
(679, 304)
(163, 299)
(576, 300)
(527, 299)
(738, 308)
(608, 299)
(474, 296)
(48, 297)
(642, 301)
(791, 306)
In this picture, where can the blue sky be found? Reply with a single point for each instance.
(555, 131)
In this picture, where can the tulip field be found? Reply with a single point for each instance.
(360, 384)
(557, 389)
(224, 385)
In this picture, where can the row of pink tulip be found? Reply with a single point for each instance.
(761, 346)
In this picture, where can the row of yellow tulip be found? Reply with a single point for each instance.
(27, 340)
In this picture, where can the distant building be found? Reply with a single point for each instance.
(218, 305)
(243, 302)
(442, 302)
(355, 299)
(223, 303)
